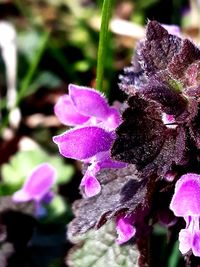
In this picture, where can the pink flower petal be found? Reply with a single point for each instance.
(185, 201)
(172, 29)
(196, 244)
(83, 143)
(21, 196)
(91, 185)
(89, 102)
(111, 164)
(185, 239)
(125, 230)
(37, 184)
(113, 119)
(67, 113)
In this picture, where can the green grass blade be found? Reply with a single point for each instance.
(103, 41)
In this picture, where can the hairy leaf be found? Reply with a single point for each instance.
(121, 192)
(158, 48)
(98, 248)
(144, 140)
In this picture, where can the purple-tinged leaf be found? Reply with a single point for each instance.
(67, 113)
(83, 143)
(120, 191)
(188, 54)
(171, 100)
(158, 49)
(144, 140)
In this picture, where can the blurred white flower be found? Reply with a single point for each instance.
(8, 47)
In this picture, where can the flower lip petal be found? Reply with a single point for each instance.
(125, 229)
(89, 102)
(67, 113)
(91, 185)
(84, 142)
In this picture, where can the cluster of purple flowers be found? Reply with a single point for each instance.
(94, 125)
(90, 140)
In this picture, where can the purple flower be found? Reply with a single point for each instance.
(125, 229)
(38, 185)
(172, 29)
(93, 135)
(186, 203)
(86, 106)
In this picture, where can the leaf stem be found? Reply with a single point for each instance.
(103, 42)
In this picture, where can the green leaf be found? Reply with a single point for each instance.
(21, 164)
(44, 79)
(99, 248)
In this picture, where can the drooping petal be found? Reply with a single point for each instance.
(196, 244)
(83, 143)
(185, 201)
(185, 239)
(67, 113)
(89, 102)
(37, 184)
(91, 185)
(125, 230)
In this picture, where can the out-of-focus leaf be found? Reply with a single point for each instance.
(44, 79)
(82, 66)
(98, 248)
(57, 210)
(16, 171)
(28, 43)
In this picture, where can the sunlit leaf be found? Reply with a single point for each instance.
(100, 249)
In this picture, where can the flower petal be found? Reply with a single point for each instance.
(21, 196)
(185, 201)
(111, 164)
(113, 119)
(89, 102)
(67, 113)
(91, 185)
(172, 29)
(125, 230)
(83, 143)
(185, 239)
(37, 184)
(196, 244)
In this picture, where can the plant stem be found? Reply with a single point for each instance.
(103, 41)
